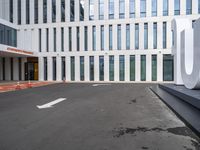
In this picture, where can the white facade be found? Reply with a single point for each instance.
(28, 37)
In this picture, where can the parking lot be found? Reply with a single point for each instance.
(87, 116)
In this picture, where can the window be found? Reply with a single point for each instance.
(19, 11)
(111, 9)
(121, 9)
(72, 12)
(142, 8)
(78, 38)
(164, 34)
(40, 40)
(54, 68)
(101, 68)
(168, 63)
(110, 38)
(102, 37)
(143, 68)
(127, 36)
(62, 10)
(94, 38)
(145, 36)
(27, 11)
(188, 7)
(121, 68)
(111, 68)
(53, 10)
(62, 39)
(155, 35)
(44, 11)
(86, 38)
(54, 39)
(70, 39)
(47, 40)
(176, 7)
(82, 68)
(72, 62)
(165, 7)
(82, 3)
(136, 36)
(154, 7)
(63, 64)
(11, 10)
(132, 67)
(36, 11)
(132, 8)
(91, 10)
(101, 9)
(119, 37)
(91, 68)
(45, 68)
(154, 67)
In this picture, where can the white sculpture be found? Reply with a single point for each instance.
(186, 51)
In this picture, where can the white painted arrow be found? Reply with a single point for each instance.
(100, 84)
(48, 105)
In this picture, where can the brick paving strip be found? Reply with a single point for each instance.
(6, 87)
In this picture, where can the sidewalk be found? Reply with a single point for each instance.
(6, 86)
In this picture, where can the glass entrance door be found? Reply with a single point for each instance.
(31, 71)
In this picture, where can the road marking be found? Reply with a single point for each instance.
(48, 105)
(100, 84)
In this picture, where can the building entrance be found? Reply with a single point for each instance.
(31, 69)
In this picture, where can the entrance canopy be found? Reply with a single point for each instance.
(14, 52)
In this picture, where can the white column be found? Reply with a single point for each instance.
(58, 39)
(106, 68)
(7, 12)
(44, 48)
(87, 68)
(160, 67)
(40, 11)
(114, 37)
(127, 8)
(32, 10)
(96, 9)
(41, 68)
(169, 35)
(106, 37)
(49, 11)
(58, 68)
(160, 35)
(90, 38)
(68, 72)
(150, 35)
(82, 38)
(194, 6)
(183, 7)
(127, 68)
(141, 36)
(86, 10)
(123, 36)
(77, 68)
(137, 8)
(148, 7)
(96, 68)
(116, 67)
(132, 36)
(1, 8)
(106, 9)
(50, 68)
(15, 12)
(66, 39)
(15, 68)
(98, 39)
(171, 7)
(148, 67)
(35, 40)
(58, 11)
(116, 7)
(67, 10)
(160, 7)
(77, 10)
(137, 67)
(51, 40)
(74, 39)
(23, 11)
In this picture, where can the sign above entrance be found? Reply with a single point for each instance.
(19, 51)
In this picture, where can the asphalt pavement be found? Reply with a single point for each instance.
(90, 117)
